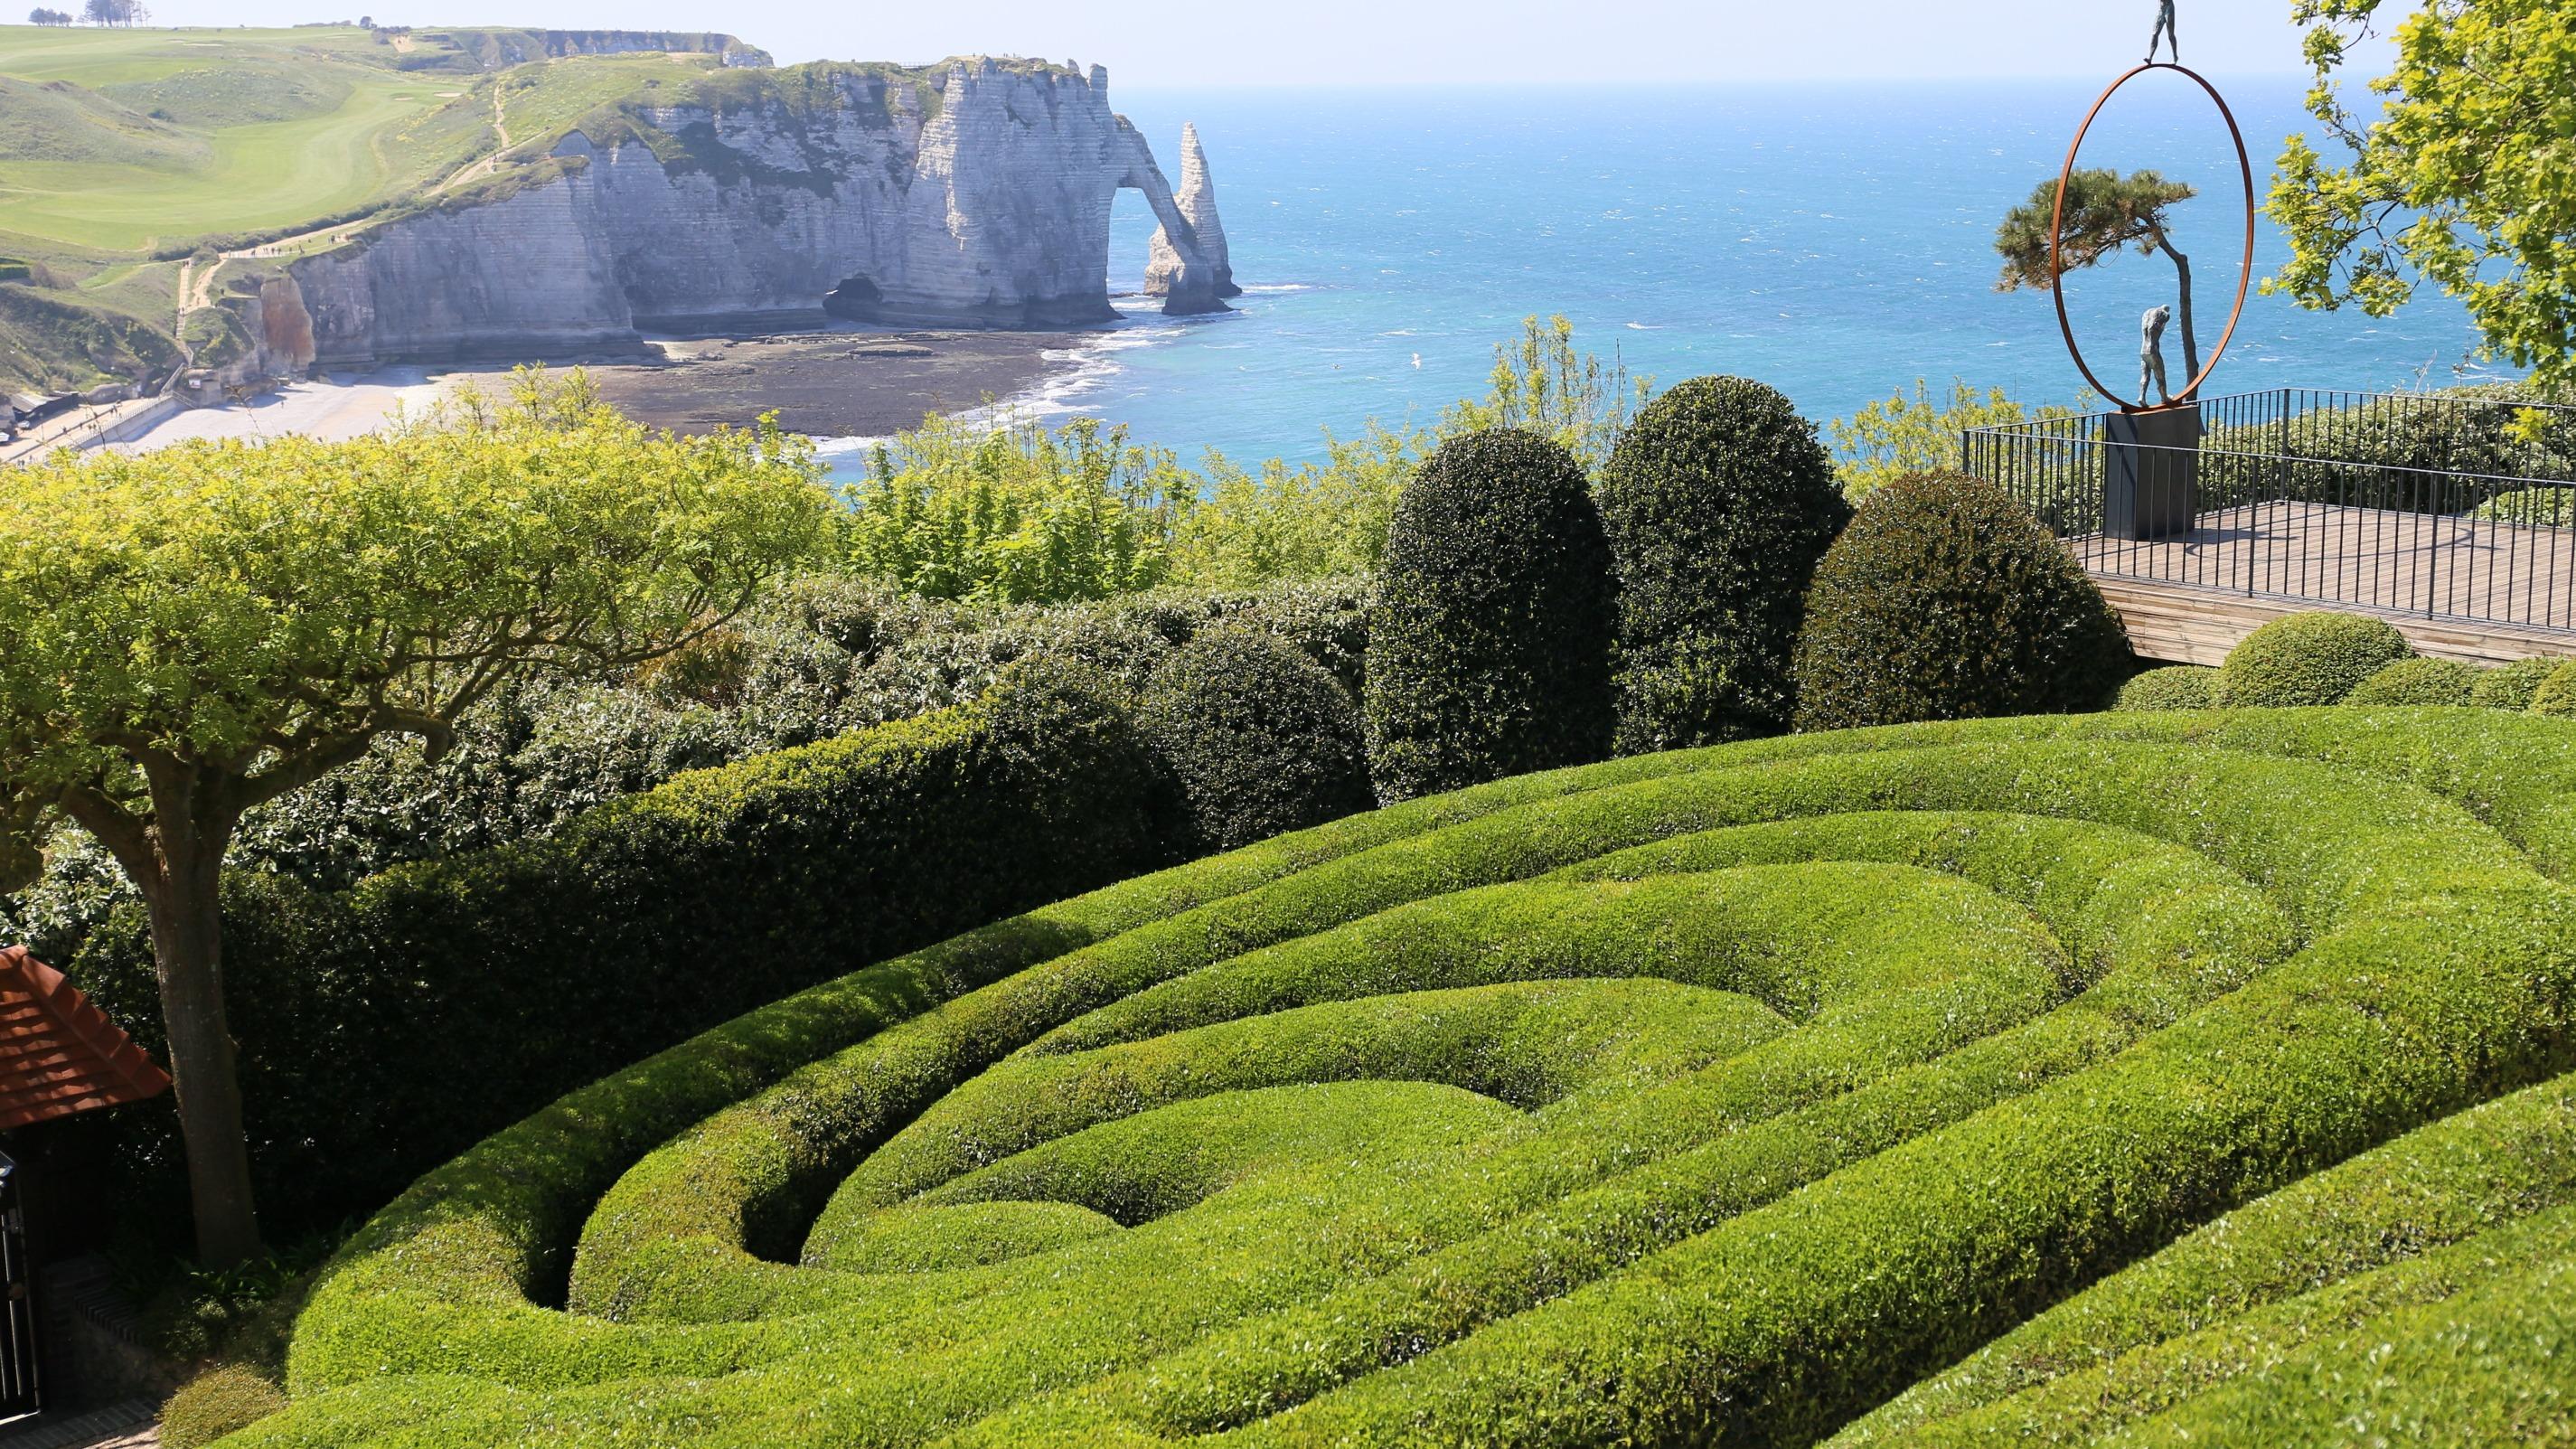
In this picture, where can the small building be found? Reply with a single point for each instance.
(60, 1057)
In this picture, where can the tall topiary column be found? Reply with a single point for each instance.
(1489, 648)
(1945, 599)
(1718, 503)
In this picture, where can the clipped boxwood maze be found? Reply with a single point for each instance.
(2128, 1077)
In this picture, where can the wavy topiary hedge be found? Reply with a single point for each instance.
(2308, 659)
(1718, 1096)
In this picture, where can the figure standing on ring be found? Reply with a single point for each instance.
(2165, 32)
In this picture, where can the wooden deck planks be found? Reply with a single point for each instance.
(2458, 588)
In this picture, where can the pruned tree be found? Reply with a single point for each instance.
(191, 633)
(2105, 213)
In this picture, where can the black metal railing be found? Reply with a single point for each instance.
(2448, 507)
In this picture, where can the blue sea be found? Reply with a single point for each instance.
(1832, 240)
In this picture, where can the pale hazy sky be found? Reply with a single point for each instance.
(1176, 43)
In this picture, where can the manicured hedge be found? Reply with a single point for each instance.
(2175, 686)
(1718, 1095)
(2166, 1329)
(2556, 692)
(1945, 599)
(1260, 737)
(1718, 502)
(2417, 681)
(2510, 686)
(384, 1029)
(215, 1404)
(1489, 646)
(2307, 659)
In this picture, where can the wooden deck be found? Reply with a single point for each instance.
(2457, 588)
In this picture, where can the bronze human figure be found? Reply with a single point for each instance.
(2164, 31)
(2151, 353)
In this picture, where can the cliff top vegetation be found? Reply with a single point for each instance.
(146, 167)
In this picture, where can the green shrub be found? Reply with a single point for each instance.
(385, 1028)
(1260, 738)
(2307, 659)
(1489, 647)
(1944, 599)
(1718, 502)
(2556, 692)
(215, 1403)
(2176, 686)
(2417, 681)
(2545, 507)
(2510, 686)
(1717, 1095)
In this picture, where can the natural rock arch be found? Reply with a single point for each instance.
(1188, 267)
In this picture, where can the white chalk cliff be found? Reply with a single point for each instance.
(1168, 265)
(977, 194)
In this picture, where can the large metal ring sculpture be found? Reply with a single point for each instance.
(2057, 225)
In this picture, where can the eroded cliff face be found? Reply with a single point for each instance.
(979, 195)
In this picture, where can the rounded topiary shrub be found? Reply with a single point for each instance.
(1489, 647)
(2308, 659)
(2176, 686)
(2511, 686)
(1261, 738)
(2556, 692)
(215, 1403)
(2417, 681)
(1945, 599)
(1718, 502)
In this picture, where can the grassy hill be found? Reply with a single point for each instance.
(2110, 1079)
(124, 152)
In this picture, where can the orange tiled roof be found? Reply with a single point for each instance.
(58, 1053)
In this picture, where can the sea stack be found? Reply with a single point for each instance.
(1196, 201)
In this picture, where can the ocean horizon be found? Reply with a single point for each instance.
(1831, 239)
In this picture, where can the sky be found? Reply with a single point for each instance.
(1193, 44)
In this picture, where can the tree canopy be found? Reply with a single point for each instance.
(190, 633)
(265, 609)
(1541, 383)
(2466, 178)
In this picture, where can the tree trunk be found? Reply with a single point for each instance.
(2190, 339)
(187, 950)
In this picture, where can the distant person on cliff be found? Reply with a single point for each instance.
(2164, 31)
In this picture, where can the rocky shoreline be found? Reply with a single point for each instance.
(831, 384)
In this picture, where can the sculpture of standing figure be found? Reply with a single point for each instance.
(2151, 353)
(2165, 32)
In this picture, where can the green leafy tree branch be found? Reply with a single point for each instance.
(2465, 178)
